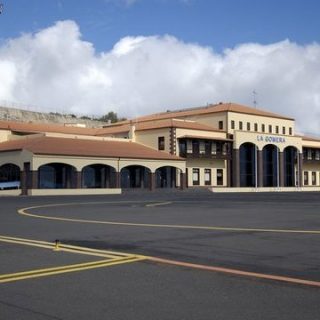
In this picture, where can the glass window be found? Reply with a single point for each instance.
(248, 126)
(182, 148)
(160, 143)
(195, 177)
(305, 178)
(283, 130)
(255, 127)
(220, 125)
(314, 178)
(207, 177)
(277, 129)
(240, 125)
(290, 131)
(270, 128)
(219, 177)
(195, 146)
(232, 124)
(263, 128)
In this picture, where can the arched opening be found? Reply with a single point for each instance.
(135, 177)
(9, 176)
(56, 176)
(270, 166)
(98, 176)
(167, 177)
(290, 155)
(248, 165)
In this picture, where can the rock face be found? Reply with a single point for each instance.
(12, 114)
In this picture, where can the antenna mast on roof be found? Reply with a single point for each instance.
(254, 93)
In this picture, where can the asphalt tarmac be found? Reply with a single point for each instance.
(274, 234)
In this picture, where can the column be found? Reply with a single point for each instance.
(23, 183)
(300, 169)
(103, 177)
(281, 169)
(25, 178)
(183, 180)
(236, 168)
(34, 179)
(77, 180)
(118, 180)
(260, 168)
(152, 176)
(229, 173)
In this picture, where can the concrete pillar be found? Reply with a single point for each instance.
(117, 180)
(183, 180)
(34, 179)
(236, 168)
(23, 183)
(152, 176)
(281, 169)
(229, 173)
(78, 180)
(260, 168)
(300, 169)
(103, 177)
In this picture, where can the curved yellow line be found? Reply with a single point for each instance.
(23, 211)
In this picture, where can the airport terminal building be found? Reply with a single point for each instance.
(225, 147)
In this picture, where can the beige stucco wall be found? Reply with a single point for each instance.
(309, 143)
(150, 138)
(199, 133)
(211, 119)
(15, 157)
(261, 140)
(78, 162)
(4, 135)
(153, 165)
(252, 119)
(69, 192)
(203, 164)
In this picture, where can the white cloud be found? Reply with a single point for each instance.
(55, 68)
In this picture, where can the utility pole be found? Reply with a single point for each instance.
(254, 93)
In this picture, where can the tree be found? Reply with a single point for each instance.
(112, 117)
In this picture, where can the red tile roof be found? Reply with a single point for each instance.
(27, 127)
(157, 124)
(213, 108)
(81, 147)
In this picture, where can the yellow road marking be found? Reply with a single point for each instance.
(114, 258)
(158, 204)
(63, 247)
(66, 269)
(23, 211)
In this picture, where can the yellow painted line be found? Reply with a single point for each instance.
(236, 272)
(66, 269)
(158, 204)
(64, 247)
(24, 212)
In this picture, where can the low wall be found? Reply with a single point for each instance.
(71, 192)
(268, 189)
(15, 192)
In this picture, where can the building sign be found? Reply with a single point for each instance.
(271, 139)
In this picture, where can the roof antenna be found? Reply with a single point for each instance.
(254, 93)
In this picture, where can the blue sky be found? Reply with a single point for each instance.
(219, 24)
(136, 57)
